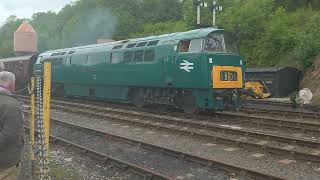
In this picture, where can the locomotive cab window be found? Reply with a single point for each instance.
(195, 46)
(184, 45)
(215, 43)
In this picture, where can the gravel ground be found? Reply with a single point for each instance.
(254, 160)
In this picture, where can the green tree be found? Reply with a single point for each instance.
(7, 34)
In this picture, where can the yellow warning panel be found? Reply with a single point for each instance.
(227, 77)
(46, 103)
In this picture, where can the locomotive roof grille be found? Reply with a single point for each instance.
(117, 47)
(153, 40)
(142, 44)
(152, 43)
(131, 45)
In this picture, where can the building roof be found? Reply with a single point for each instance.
(19, 58)
(25, 28)
(267, 69)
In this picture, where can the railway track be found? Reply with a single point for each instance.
(105, 159)
(281, 109)
(293, 147)
(230, 171)
(283, 124)
(293, 125)
(283, 105)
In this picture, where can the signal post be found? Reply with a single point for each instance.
(40, 120)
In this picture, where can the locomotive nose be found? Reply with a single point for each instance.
(226, 72)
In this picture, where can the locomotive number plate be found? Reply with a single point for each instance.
(228, 76)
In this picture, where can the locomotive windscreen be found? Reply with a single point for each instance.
(215, 43)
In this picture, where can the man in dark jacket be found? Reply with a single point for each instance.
(11, 128)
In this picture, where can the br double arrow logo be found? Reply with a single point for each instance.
(186, 65)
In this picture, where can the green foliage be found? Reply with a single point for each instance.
(162, 28)
(6, 35)
(267, 32)
(292, 5)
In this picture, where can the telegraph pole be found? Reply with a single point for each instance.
(215, 8)
(198, 15)
(214, 3)
(197, 3)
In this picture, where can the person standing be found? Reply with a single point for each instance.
(11, 129)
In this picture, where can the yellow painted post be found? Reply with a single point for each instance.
(32, 119)
(46, 103)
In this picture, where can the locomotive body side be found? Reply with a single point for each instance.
(173, 69)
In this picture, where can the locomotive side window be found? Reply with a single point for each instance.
(55, 61)
(215, 43)
(195, 46)
(149, 55)
(138, 56)
(67, 61)
(184, 46)
(115, 57)
(98, 58)
(128, 55)
(79, 60)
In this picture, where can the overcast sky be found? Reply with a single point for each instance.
(25, 8)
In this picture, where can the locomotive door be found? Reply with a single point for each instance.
(169, 64)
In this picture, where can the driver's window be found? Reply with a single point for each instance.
(195, 46)
(214, 43)
(184, 46)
